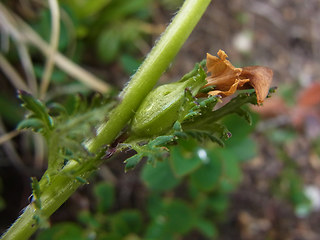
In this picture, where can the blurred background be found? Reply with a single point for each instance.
(270, 170)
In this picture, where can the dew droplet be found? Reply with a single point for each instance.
(202, 154)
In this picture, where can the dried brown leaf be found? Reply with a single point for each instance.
(226, 78)
(260, 79)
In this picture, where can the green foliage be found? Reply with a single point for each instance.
(220, 171)
(105, 196)
(240, 144)
(111, 41)
(199, 122)
(207, 172)
(63, 231)
(84, 9)
(167, 105)
(112, 27)
(203, 107)
(65, 126)
(176, 218)
(206, 178)
(129, 64)
(159, 178)
(126, 222)
(109, 45)
(154, 150)
(289, 185)
(186, 157)
(171, 129)
(42, 25)
(38, 120)
(207, 229)
(9, 110)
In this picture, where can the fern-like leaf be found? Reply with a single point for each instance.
(37, 108)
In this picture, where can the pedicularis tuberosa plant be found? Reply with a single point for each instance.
(146, 120)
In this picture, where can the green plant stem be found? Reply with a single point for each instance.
(51, 199)
(150, 71)
(213, 116)
(61, 187)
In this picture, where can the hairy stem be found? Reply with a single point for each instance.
(150, 71)
(60, 188)
(51, 199)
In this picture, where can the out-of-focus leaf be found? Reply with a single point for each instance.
(156, 230)
(129, 64)
(10, 110)
(32, 123)
(159, 178)
(244, 114)
(42, 26)
(218, 203)
(207, 228)
(244, 150)
(105, 195)
(239, 128)
(231, 173)
(85, 217)
(84, 9)
(127, 222)
(179, 217)
(175, 218)
(62, 231)
(186, 156)
(282, 136)
(120, 9)
(108, 45)
(154, 205)
(207, 177)
(76, 103)
(57, 76)
(171, 4)
(56, 109)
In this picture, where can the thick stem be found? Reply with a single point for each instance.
(61, 187)
(150, 71)
(52, 197)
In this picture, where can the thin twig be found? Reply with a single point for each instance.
(21, 30)
(27, 66)
(7, 23)
(8, 147)
(7, 136)
(12, 75)
(54, 41)
(5, 41)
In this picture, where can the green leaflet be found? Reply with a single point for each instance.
(244, 114)
(32, 123)
(153, 151)
(38, 111)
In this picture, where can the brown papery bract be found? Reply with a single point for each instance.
(226, 78)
